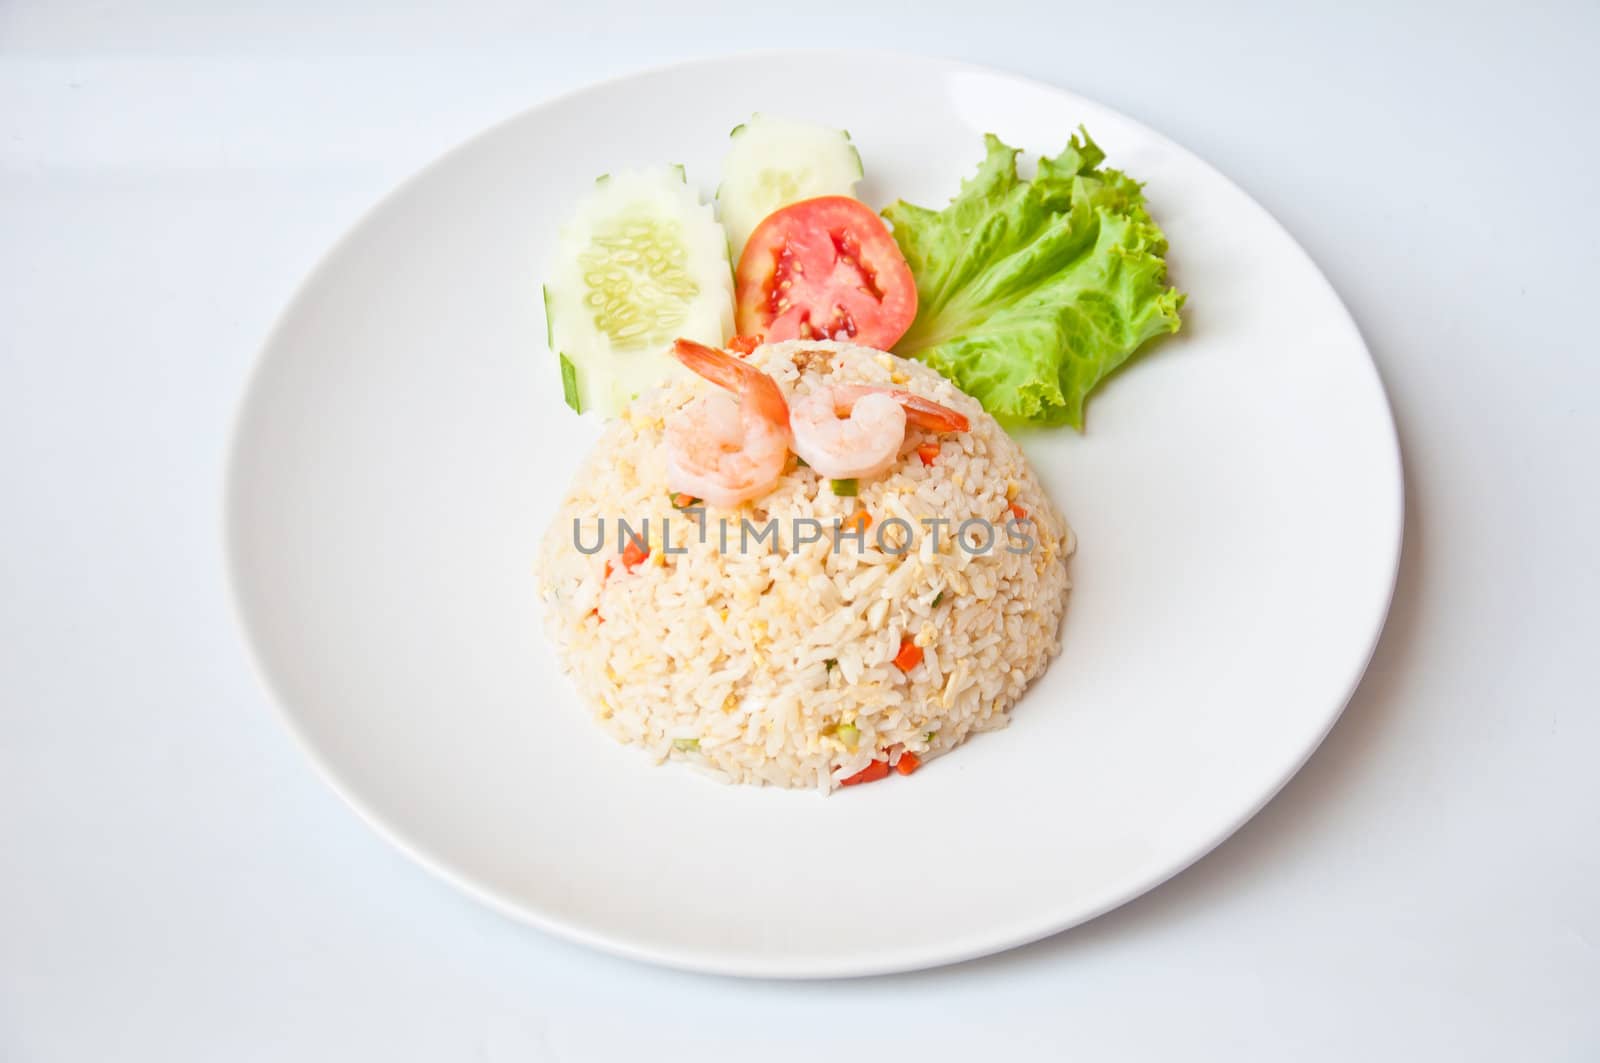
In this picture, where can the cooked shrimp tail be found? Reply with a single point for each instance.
(735, 375)
(920, 412)
(854, 431)
(722, 450)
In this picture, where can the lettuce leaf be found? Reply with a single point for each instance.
(1031, 292)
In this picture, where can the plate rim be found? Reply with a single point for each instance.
(715, 961)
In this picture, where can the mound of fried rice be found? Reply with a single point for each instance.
(775, 663)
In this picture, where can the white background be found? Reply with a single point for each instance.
(175, 884)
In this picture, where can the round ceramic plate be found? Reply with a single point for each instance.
(1237, 499)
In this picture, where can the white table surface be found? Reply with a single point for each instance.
(175, 883)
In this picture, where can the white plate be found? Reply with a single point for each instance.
(402, 446)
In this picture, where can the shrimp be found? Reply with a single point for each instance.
(854, 431)
(721, 450)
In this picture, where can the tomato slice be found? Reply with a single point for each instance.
(825, 268)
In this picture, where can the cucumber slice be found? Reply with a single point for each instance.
(773, 162)
(641, 263)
